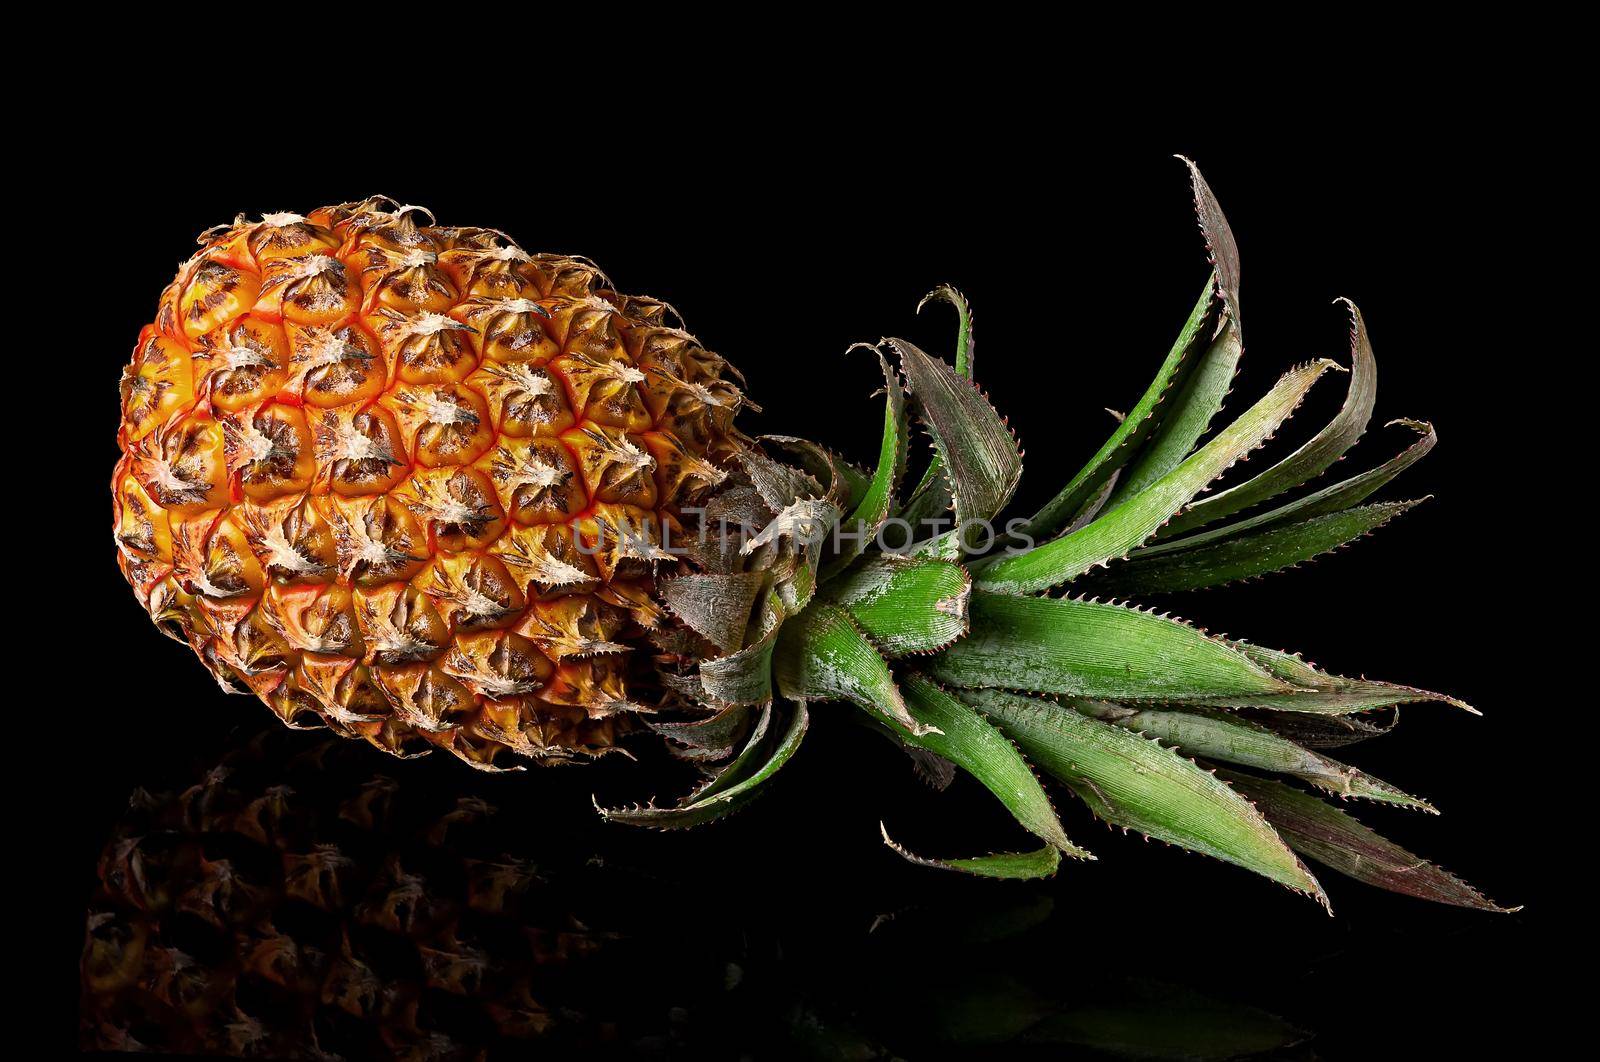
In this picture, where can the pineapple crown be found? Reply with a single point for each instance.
(955, 646)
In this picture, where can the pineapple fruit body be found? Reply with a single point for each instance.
(399, 479)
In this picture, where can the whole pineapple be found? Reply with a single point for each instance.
(425, 488)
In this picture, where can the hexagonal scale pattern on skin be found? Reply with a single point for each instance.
(378, 472)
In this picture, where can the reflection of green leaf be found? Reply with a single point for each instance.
(993, 1011)
(1138, 1019)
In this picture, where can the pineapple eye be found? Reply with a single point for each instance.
(215, 294)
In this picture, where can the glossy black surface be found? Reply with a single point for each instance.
(1080, 268)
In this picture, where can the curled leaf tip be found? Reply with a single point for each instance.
(1041, 863)
(943, 291)
(876, 348)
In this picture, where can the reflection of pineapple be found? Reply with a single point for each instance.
(293, 902)
(304, 900)
(413, 483)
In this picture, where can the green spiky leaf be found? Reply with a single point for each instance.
(779, 485)
(733, 788)
(1134, 782)
(714, 736)
(845, 484)
(823, 655)
(1040, 863)
(1338, 841)
(1247, 556)
(1134, 427)
(971, 742)
(1331, 499)
(1320, 692)
(1197, 403)
(1216, 735)
(931, 498)
(956, 732)
(1098, 650)
(974, 445)
(1221, 248)
(906, 605)
(946, 546)
(1313, 731)
(877, 501)
(947, 293)
(745, 676)
(1122, 528)
(1310, 460)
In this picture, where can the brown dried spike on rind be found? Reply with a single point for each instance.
(412, 480)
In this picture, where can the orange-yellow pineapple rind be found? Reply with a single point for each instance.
(402, 480)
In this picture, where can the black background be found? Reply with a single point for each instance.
(1081, 258)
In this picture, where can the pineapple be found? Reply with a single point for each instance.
(417, 485)
(406, 481)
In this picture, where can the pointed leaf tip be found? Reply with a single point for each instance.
(1007, 865)
(1095, 481)
(822, 654)
(964, 337)
(1339, 841)
(876, 502)
(1220, 244)
(1310, 460)
(972, 743)
(1228, 738)
(974, 445)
